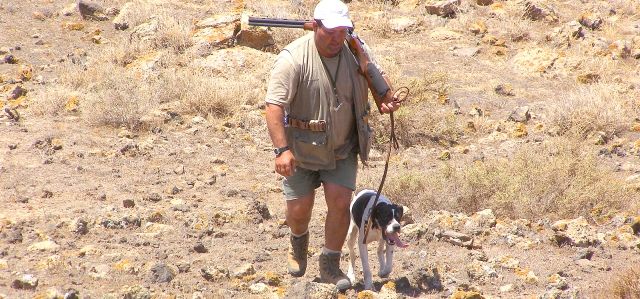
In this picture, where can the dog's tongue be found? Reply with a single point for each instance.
(396, 240)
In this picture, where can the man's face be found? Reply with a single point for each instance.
(329, 41)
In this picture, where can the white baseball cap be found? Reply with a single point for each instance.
(332, 13)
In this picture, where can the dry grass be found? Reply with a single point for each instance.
(53, 101)
(423, 119)
(590, 109)
(123, 99)
(119, 102)
(207, 95)
(625, 285)
(175, 25)
(557, 179)
(626, 8)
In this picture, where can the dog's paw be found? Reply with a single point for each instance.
(368, 286)
(384, 273)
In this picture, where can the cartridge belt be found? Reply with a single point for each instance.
(312, 125)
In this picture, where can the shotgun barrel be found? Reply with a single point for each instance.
(284, 23)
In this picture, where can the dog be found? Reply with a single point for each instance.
(385, 229)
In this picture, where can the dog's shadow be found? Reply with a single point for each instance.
(410, 285)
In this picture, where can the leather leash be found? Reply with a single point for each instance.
(399, 96)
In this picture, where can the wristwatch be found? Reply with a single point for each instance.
(280, 150)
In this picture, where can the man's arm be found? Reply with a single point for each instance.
(388, 103)
(286, 162)
(280, 91)
(275, 125)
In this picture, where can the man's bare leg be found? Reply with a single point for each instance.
(298, 216)
(337, 222)
(298, 213)
(336, 227)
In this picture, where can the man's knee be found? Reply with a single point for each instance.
(338, 197)
(339, 205)
(299, 210)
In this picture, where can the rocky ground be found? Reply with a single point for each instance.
(176, 197)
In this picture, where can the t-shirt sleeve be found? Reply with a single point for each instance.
(283, 81)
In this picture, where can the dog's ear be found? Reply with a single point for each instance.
(400, 211)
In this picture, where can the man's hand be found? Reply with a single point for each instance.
(389, 107)
(285, 163)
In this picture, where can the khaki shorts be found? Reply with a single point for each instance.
(304, 181)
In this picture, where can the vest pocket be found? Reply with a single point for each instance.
(311, 147)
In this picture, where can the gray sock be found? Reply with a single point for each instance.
(326, 251)
(300, 235)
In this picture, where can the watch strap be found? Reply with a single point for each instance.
(280, 150)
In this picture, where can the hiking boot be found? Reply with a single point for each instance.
(297, 255)
(330, 271)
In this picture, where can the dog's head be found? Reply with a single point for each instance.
(387, 218)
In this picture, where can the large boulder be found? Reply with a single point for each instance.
(91, 11)
(538, 11)
(234, 59)
(591, 20)
(575, 232)
(314, 290)
(122, 20)
(566, 34)
(257, 38)
(215, 32)
(403, 24)
(146, 31)
(442, 8)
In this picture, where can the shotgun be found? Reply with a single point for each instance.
(379, 87)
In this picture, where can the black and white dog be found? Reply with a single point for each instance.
(385, 228)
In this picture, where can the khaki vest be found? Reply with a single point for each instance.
(314, 100)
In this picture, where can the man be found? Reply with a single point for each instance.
(316, 115)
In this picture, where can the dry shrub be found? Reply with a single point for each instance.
(625, 285)
(590, 109)
(556, 179)
(625, 8)
(115, 95)
(208, 94)
(52, 102)
(174, 34)
(516, 27)
(430, 87)
(464, 17)
(120, 100)
(423, 119)
(295, 9)
(117, 107)
(175, 26)
(376, 25)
